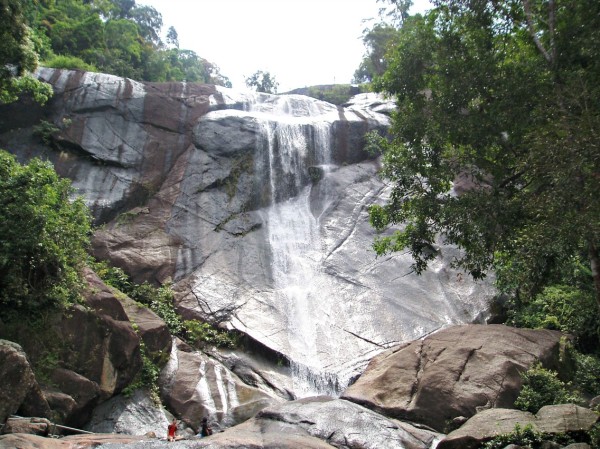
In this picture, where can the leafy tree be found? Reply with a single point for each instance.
(43, 235)
(17, 56)
(395, 11)
(262, 82)
(503, 97)
(173, 37)
(377, 41)
(149, 22)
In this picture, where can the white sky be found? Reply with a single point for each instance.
(300, 42)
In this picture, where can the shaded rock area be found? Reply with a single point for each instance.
(84, 357)
(457, 371)
(552, 419)
(16, 378)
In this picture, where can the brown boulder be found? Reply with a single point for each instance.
(105, 350)
(84, 392)
(16, 378)
(149, 326)
(34, 426)
(457, 371)
(553, 419)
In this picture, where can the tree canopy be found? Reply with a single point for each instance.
(118, 37)
(18, 56)
(501, 101)
(262, 82)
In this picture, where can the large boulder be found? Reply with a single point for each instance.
(552, 419)
(135, 415)
(194, 386)
(455, 372)
(33, 426)
(16, 378)
(84, 356)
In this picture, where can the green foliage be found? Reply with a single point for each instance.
(44, 235)
(69, 62)
(18, 56)
(262, 82)
(543, 387)
(199, 333)
(13, 87)
(375, 144)
(377, 41)
(594, 434)
(45, 130)
(511, 111)
(116, 37)
(587, 374)
(160, 301)
(147, 377)
(527, 437)
(113, 276)
(564, 308)
(337, 94)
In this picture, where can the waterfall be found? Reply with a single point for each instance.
(293, 143)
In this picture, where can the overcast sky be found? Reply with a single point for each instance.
(300, 42)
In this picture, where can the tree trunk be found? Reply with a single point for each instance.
(595, 265)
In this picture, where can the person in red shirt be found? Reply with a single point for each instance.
(171, 430)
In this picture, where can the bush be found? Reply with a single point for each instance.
(543, 387)
(527, 437)
(587, 375)
(565, 308)
(198, 333)
(146, 378)
(69, 62)
(44, 235)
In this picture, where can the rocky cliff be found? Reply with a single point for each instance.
(254, 206)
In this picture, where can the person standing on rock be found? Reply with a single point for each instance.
(205, 430)
(171, 430)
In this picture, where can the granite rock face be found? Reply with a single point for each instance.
(455, 372)
(255, 206)
(194, 385)
(85, 356)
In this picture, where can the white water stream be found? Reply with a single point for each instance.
(291, 139)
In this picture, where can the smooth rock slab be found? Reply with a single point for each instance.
(319, 422)
(455, 372)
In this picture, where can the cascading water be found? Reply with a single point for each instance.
(293, 143)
